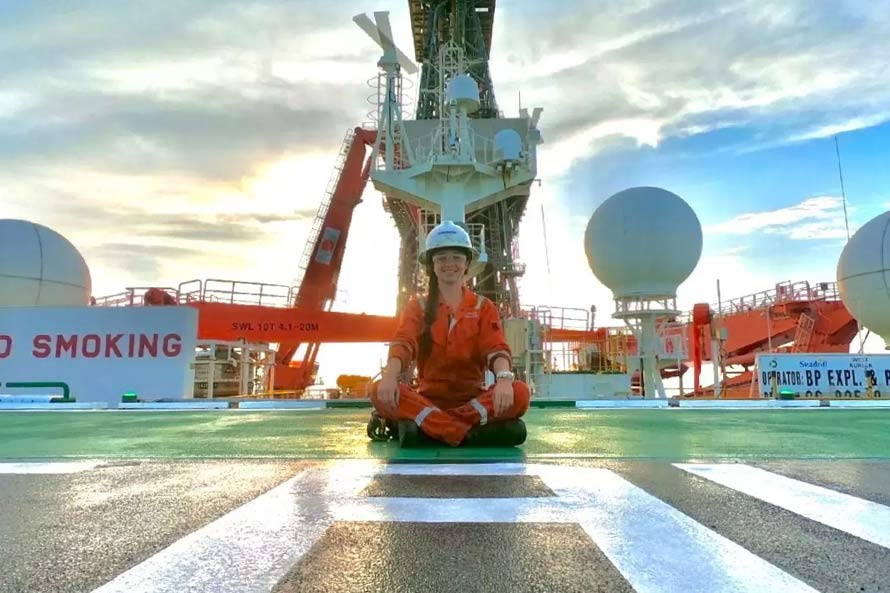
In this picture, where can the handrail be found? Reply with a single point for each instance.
(237, 292)
(133, 296)
(216, 290)
(784, 292)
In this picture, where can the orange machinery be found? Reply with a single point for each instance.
(793, 317)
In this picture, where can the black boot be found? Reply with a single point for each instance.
(502, 433)
(410, 435)
(380, 429)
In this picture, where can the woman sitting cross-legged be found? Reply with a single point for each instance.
(453, 335)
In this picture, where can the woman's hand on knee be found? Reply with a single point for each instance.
(388, 394)
(502, 397)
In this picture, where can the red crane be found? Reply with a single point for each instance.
(323, 255)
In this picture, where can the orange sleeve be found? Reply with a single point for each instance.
(404, 345)
(491, 335)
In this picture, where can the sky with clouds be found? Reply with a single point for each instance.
(194, 139)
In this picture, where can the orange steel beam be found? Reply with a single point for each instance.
(573, 335)
(222, 321)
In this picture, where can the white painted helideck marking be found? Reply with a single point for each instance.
(250, 549)
(593, 404)
(460, 469)
(863, 518)
(286, 404)
(862, 403)
(53, 467)
(654, 546)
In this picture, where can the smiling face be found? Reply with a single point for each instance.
(450, 265)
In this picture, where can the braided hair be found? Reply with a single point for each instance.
(429, 315)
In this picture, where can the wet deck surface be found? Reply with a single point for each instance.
(713, 523)
(553, 433)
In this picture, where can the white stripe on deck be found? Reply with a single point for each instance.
(654, 546)
(250, 549)
(53, 467)
(657, 548)
(863, 518)
(458, 469)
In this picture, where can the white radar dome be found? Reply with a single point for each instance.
(643, 242)
(863, 274)
(38, 266)
(507, 145)
(463, 91)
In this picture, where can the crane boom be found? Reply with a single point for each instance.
(324, 252)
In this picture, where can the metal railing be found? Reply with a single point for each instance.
(784, 292)
(433, 147)
(552, 317)
(132, 296)
(609, 350)
(235, 292)
(212, 290)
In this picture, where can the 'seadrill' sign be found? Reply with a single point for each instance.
(824, 375)
(99, 352)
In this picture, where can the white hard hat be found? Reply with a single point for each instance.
(448, 234)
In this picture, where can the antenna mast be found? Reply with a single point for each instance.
(840, 174)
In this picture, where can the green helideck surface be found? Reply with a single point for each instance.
(553, 432)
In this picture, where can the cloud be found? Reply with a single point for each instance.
(736, 274)
(660, 69)
(184, 87)
(142, 261)
(138, 222)
(210, 132)
(196, 138)
(820, 217)
(833, 128)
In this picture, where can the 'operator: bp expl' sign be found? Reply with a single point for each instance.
(824, 375)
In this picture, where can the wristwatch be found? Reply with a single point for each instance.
(505, 375)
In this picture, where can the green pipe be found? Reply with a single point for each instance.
(66, 390)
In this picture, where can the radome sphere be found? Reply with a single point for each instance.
(40, 267)
(643, 242)
(863, 274)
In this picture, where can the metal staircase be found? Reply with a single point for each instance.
(323, 207)
(804, 333)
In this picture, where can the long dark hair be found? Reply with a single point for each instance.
(429, 314)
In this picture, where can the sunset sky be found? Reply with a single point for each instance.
(183, 139)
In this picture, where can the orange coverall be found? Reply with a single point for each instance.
(451, 398)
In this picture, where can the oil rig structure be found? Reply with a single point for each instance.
(458, 157)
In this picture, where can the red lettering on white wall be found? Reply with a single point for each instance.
(148, 344)
(100, 346)
(111, 345)
(66, 345)
(172, 345)
(42, 346)
(91, 346)
(5, 345)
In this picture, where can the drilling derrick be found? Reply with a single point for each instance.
(452, 40)
(467, 23)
